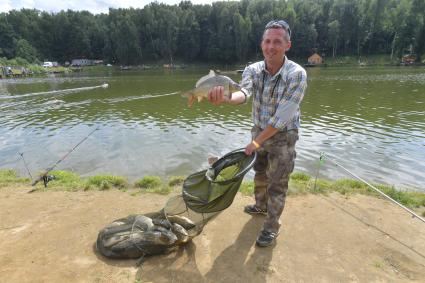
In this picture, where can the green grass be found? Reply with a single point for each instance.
(299, 184)
(8, 177)
(366, 60)
(64, 180)
(176, 181)
(162, 190)
(105, 182)
(247, 188)
(148, 182)
(153, 184)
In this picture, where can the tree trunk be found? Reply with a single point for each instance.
(393, 46)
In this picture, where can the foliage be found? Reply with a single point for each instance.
(64, 180)
(8, 176)
(105, 182)
(26, 51)
(149, 182)
(176, 181)
(225, 32)
(300, 176)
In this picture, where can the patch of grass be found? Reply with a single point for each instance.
(299, 183)
(9, 176)
(176, 181)
(105, 182)
(322, 186)
(247, 188)
(378, 264)
(298, 188)
(410, 199)
(298, 176)
(135, 193)
(148, 182)
(162, 190)
(64, 180)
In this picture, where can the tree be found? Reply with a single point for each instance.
(26, 51)
(189, 35)
(242, 31)
(333, 35)
(7, 38)
(225, 32)
(125, 38)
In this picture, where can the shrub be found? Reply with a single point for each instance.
(148, 182)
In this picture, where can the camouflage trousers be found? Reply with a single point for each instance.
(275, 162)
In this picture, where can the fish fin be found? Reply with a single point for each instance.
(204, 78)
(190, 100)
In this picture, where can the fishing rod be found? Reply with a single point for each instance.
(324, 156)
(25, 163)
(47, 178)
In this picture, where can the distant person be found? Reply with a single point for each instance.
(277, 86)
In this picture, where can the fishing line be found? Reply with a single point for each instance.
(324, 156)
(159, 95)
(104, 85)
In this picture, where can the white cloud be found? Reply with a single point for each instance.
(94, 6)
(5, 5)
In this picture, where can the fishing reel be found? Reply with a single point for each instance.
(47, 179)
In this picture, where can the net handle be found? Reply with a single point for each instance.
(241, 173)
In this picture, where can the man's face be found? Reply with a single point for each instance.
(274, 45)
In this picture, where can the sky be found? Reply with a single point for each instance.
(94, 6)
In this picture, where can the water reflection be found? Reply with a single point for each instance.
(372, 119)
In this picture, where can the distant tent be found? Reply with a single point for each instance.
(315, 59)
(408, 59)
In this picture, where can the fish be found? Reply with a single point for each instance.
(143, 223)
(185, 222)
(165, 236)
(181, 233)
(162, 222)
(206, 83)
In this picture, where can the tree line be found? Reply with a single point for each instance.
(224, 32)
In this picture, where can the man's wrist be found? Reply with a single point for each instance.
(256, 144)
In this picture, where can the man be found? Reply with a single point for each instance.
(277, 86)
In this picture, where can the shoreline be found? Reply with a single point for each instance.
(299, 184)
(378, 60)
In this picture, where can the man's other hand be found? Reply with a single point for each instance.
(250, 148)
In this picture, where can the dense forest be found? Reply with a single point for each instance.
(224, 32)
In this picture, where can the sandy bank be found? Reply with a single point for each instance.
(49, 236)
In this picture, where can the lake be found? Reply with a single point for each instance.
(372, 120)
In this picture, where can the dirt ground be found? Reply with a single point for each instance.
(49, 237)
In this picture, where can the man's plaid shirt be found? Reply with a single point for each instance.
(276, 99)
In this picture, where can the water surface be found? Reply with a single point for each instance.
(371, 119)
